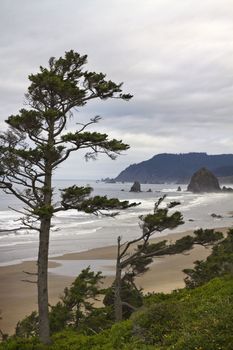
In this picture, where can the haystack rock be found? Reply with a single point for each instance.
(203, 181)
(136, 187)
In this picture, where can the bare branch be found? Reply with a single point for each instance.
(10, 188)
(28, 281)
(30, 273)
(142, 237)
(12, 229)
(129, 305)
(67, 154)
(94, 120)
(17, 211)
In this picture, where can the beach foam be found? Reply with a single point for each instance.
(75, 231)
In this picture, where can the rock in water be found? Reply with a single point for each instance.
(227, 189)
(136, 187)
(216, 216)
(203, 181)
(178, 189)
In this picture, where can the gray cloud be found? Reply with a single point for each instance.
(175, 56)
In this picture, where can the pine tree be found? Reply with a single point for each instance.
(134, 257)
(37, 142)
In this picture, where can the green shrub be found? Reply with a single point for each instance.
(219, 263)
(188, 319)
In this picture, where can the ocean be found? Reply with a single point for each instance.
(74, 231)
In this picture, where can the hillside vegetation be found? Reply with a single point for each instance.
(167, 167)
(201, 318)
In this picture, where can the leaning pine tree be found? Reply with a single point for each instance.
(37, 142)
(134, 257)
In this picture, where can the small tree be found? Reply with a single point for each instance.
(28, 327)
(79, 298)
(3, 335)
(218, 263)
(73, 309)
(134, 256)
(77, 309)
(37, 142)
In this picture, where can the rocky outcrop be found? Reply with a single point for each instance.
(136, 187)
(178, 189)
(216, 216)
(203, 181)
(227, 189)
(108, 180)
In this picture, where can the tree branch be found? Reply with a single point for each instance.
(28, 281)
(30, 273)
(124, 303)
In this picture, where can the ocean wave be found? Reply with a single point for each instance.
(164, 190)
(62, 232)
(18, 234)
(73, 223)
(5, 214)
(178, 197)
(71, 212)
(73, 227)
(202, 200)
(13, 244)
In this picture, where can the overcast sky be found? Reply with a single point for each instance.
(174, 56)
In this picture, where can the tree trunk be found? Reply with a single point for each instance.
(117, 294)
(117, 297)
(45, 224)
(44, 331)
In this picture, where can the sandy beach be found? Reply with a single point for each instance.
(18, 298)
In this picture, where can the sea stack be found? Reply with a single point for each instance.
(203, 181)
(136, 187)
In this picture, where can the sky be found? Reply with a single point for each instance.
(174, 56)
